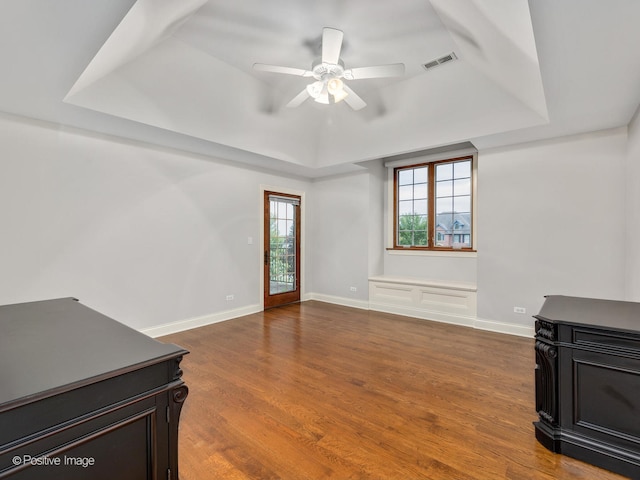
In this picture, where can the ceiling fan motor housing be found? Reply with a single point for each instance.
(322, 70)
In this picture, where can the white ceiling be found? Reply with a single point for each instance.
(178, 73)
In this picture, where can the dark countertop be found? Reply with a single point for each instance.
(610, 314)
(52, 346)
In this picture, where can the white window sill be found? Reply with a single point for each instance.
(434, 253)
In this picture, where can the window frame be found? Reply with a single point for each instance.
(431, 216)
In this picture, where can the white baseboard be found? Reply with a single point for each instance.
(345, 302)
(181, 325)
(508, 328)
(461, 320)
(466, 321)
(474, 322)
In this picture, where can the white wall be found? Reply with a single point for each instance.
(338, 232)
(377, 176)
(632, 220)
(145, 235)
(551, 220)
(151, 236)
(431, 267)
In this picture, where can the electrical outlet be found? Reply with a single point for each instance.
(519, 310)
(229, 298)
(353, 289)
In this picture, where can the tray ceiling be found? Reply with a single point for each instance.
(180, 74)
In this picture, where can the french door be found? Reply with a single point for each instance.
(281, 249)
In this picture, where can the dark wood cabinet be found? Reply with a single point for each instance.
(83, 396)
(588, 381)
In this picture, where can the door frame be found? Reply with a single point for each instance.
(287, 191)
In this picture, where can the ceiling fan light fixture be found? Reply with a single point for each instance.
(339, 96)
(318, 91)
(335, 87)
(323, 98)
(315, 89)
(329, 73)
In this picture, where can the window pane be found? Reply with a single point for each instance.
(420, 190)
(405, 177)
(462, 204)
(412, 230)
(420, 207)
(462, 241)
(420, 222)
(444, 189)
(405, 222)
(462, 187)
(444, 222)
(462, 169)
(444, 171)
(444, 205)
(442, 239)
(405, 208)
(405, 193)
(282, 228)
(405, 238)
(420, 239)
(420, 175)
(444, 230)
(282, 263)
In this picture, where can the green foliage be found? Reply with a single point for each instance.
(412, 230)
(282, 255)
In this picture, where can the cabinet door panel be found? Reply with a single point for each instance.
(607, 395)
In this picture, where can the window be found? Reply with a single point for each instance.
(433, 205)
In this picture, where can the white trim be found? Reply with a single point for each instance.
(463, 321)
(434, 253)
(423, 282)
(345, 302)
(422, 314)
(431, 158)
(460, 320)
(477, 323)
(188, 324)
(506, 328)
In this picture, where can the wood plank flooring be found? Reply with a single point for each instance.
(319, 391)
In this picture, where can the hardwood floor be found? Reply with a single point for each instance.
(319, 391)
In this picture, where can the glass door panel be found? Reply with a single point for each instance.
(282, 249)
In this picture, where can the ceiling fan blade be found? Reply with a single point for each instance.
(299, 99)
(331, 45)
(353, 100)
(278, 69)
(378, 71)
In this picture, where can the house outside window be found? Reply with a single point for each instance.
(433, 205)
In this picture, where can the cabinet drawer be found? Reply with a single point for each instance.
(608, 340)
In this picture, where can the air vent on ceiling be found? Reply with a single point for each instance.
(439, 61)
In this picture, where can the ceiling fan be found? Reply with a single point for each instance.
(329, 73)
